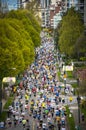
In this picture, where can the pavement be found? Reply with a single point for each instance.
(46, 69)
(74, 109)
(72, 106)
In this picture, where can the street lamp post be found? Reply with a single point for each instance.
(78, 101)
(0, 99)
(1, 96)
(65, 75)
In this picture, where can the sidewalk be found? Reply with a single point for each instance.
(74, 110)
(74, 107)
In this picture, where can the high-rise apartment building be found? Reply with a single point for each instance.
(79, 5)
(85, 13)
(45, 3)
(45, 12)
(70, 3)
(7, 5)
(3, 6)
(82, 9)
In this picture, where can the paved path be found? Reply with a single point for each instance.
(41, 76)
(42, 73)
(74, 109)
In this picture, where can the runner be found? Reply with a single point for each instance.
(39, 99)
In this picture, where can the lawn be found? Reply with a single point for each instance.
(3, 115)
(70, 119)
(69, 74)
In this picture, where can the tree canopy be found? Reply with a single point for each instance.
(33, 28)
(70, 30)
(18, 39)
(80, 47)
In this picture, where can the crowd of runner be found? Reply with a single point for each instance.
(38, 96)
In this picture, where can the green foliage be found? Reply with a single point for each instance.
(9, 102)
(11, 58)
(80, 47)
(3, 116)
(69, 74)
(70, 30)
(82, 86)
(11, 55)
(74, 85)
(70, 119)
(34, 22)
(33, 34)
(18, 37)
(29, 24)
(34, 7)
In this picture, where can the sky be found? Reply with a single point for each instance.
(12, 4)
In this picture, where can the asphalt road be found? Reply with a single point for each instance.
(33, 122)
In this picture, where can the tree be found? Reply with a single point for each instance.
(34, 22)
(27, 24)
(17, 35)
(25, 41)
(10, 57)
(80, 47)
(82, 88)
(33, 6)
(70, 30)
(14, 43)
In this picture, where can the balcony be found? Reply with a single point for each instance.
(52, 8)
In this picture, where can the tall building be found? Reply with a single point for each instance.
(45, 12)
(70, 3)
(45, 3)
(55, 14)
(79, 5)
(85, 13)
(7, 5)
(51, 13)
(3, 6)
(82, 9)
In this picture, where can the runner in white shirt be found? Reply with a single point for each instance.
(63, 128)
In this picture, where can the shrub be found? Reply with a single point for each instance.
(70, 119)
(9, 102)
(3, 116)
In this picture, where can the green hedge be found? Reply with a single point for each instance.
(59, 73)
(3, 115)
(83, 108)
(69, 74)
(70, 119)
(9, 102)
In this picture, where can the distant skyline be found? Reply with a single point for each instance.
(12, 4)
